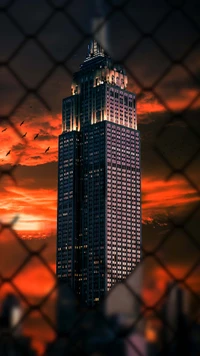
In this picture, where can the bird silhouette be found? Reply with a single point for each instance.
(24, 135)
(8, 153)
(4, 129)
(21, 123)
(36, 136)
(47, 149)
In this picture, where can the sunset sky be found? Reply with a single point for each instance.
(168, 119)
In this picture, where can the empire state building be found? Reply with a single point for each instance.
(99, 180)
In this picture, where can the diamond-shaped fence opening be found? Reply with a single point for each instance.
(61, 80)
(158, 230)
(178, 249)
(60, 36)
(176, 138)
(31, 64)
(9, 263)
(30, 24)
(165, 64)
(127, 30)
(147, 15)
(40, 281)
(155, 278)
(12, 88)
(181, 28)
(185, 205)
(10, 37)
(174, 89)
(147, 62)
(75, 9)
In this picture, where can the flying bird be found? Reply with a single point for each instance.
(47, 149)
(24, 135)
(8, 153)
(4, 129)
(36, 136)
(21, 123)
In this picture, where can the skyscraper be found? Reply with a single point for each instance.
(99, 190)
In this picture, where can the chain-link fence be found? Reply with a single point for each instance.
(42, 44)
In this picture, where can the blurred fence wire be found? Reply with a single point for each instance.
(124, 28)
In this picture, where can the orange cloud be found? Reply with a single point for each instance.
(148, 104)
(36, 207)
(38, 120)
(161, 197)
(32, 151)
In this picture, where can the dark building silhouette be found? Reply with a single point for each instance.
(12, 342)
(66, 309)
(177, 326)
(11, 312)
(99, 209)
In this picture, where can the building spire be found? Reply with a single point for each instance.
(99, 31)
(94, 50)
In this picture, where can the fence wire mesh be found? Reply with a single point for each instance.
(158, 44)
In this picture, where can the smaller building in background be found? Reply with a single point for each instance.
(12, 342)
(11, 314)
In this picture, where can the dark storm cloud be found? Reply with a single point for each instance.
(38, 174)
(18, 147)
(46, 137)
(47, 125)
(36, 157)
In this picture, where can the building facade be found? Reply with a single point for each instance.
(99, 180)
